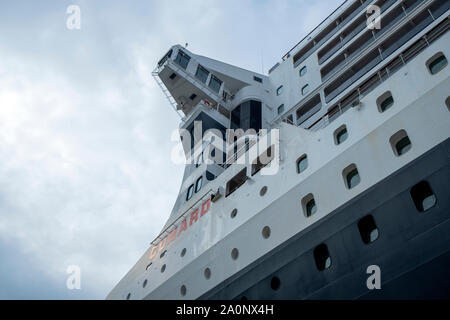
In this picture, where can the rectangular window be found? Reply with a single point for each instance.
(215, 83)
(237, 181)
(257, 79)
(182, 59)
(263, 160)
(202, 74)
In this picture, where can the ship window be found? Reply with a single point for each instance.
(275, 283)
(385, 101)
(202, 74)
(163, 254)
(234, 213)
(437, 63)
(281, 109)
(351, 176)
(182, 59)
(266, 232)
(215, 83)
(235, 254)
(183, 290)
(237, 181)
(183, 252)
(340, 135)
(190, 192)
(279, 90)
(257, 79)
(163, 268)
(210, 176)
(198, 184)
(172, 76)
(305, 89)
(322, 257)
(447, 102)
(144, 284)
(193, 96)
(368, 229)
(400, 143)
(263, 160)
(309, 205)
(302, 163)
(148, 266)
(128, 296)
(290, 119)
(423, 197)
(303, 71)
(263, 191)
(207, 273)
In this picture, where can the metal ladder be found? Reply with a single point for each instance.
(166, 92)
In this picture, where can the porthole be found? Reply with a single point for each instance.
(351, 176)
(144, 284)
(163, 254)
(400, 143)
(385, 101)
(183, 252)
(305, 89)
(302, 163)
(322, 257)
(423, 196)
(309, 205)
(340, 135)
(128, 296)
(207, 273)
(234, 213)
(275, 283)
(437, 63)
(447, 102)
(368, 229)
(163, 268)
(148, 266)
(235, 254)
(263, 191)
(183, 290)
(266, 232)
(302, 71)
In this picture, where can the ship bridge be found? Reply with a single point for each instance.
(192, 83)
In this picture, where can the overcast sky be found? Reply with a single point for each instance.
(85, 171)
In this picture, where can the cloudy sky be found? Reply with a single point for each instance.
(85, 171)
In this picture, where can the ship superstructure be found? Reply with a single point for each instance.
(345, 165)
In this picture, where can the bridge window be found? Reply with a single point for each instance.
(182, 59)
(215, 83)
(202, 74)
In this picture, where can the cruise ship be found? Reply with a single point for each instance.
(301, 182)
